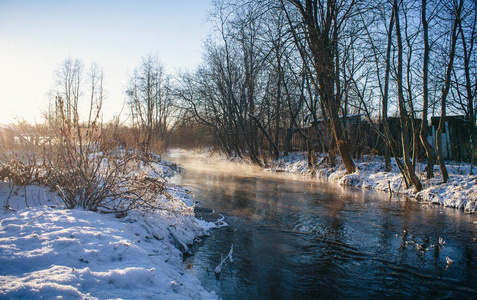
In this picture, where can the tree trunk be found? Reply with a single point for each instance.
(440, 155)
(387, 152)
(410, 172)
(321, 40)
(267, 135)
(425, 95)
(445, 92)
(279, 96)
(308, 149)
(468, 87)
(290, 132)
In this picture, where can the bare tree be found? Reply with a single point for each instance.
(404, 118)
(316, 27)
(231, 85)
(455, 10)
(151, 102)
(465, 70)
(68, 81)
(76, 172)
(425, 92)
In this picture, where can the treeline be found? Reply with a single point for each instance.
(274, 70)
(289, 64)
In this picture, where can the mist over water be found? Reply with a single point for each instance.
(299, 238)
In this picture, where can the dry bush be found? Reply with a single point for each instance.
(88, 175)
(91, 176)
(140, 192)
(129, 138)
(157, 146)
(115, 135)
(20, 162)
(84, 178)
(20, 168)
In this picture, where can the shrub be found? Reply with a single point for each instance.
(21, 167)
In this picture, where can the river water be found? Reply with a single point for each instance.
(299, 238)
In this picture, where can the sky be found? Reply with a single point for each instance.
(37, 36)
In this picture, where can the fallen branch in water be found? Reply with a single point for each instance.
(220, 223)
(218, 269)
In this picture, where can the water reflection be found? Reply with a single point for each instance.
(301, 239)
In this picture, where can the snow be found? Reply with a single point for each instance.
(47, 251)
(459, 192)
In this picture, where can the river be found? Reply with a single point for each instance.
(295, 237)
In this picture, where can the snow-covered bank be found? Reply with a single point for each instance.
(459, 192)
(47, 251)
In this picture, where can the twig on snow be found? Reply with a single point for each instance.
(130, 244)
(33, 219)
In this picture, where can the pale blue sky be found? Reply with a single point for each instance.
(36, 36)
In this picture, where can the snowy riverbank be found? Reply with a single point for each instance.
(459, 192)
(47, 251)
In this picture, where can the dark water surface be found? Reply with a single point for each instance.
(298, 238)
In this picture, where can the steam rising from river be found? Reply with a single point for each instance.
(244, 179)
(299, 237)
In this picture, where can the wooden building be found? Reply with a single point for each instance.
(363, 139)
(456, 137)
